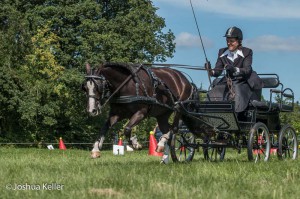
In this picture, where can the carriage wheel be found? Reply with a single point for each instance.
(182, 147)
(259, 143)
(214, 153)
(287, 143)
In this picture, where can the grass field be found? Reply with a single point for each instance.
(72, 174)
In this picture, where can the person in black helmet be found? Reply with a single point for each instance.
(240, 81)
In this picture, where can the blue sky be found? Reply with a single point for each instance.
(270, 27)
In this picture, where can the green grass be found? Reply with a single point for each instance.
(137, 175)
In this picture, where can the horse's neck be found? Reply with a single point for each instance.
(113, 76)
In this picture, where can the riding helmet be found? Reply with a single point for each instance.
(234, 32)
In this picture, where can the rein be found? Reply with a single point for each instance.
(231, 89)
(182, 66)
(177, 66)
(229, 82)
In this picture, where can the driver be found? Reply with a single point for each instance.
(240, 82)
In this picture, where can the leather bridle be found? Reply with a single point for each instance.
(102, 88)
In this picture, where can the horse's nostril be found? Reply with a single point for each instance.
(94, 111)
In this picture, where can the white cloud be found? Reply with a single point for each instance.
(187, 40)
(253, 8)
(261, 43)
(273, 43)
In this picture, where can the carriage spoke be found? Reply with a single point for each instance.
(180, 155)
(257, 158)
(289, 154)
(291, 142)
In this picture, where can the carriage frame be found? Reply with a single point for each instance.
(214, 126)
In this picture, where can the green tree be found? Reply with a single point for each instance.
(44, 45)
(42, 90)
(292, 118)
(97, 31)
(14, 45)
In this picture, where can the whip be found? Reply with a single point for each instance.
(207, 62)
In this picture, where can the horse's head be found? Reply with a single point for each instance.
(96, 88)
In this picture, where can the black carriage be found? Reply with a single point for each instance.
(214, 126)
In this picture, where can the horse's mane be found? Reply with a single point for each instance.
(129, 67)
(115, 64)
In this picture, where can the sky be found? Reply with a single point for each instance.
(271, 28)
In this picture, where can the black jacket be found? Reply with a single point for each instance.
(243, 63)
(244, 83)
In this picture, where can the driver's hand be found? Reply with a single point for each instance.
(230, 70)
(207, 66)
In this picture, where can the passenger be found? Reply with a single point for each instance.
(240, 80)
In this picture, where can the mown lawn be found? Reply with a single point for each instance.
(137, 175)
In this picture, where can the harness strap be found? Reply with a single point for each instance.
(139, 99)
(157, 82)
(124, 82)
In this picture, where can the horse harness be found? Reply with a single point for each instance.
(146, 98)
(134, 69)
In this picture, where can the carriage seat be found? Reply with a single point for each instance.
(272, 81)
(269, 81)
(267, 106)
(264, 106)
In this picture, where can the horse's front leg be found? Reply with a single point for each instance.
(167, 133)
(134, 120)
(99, 142)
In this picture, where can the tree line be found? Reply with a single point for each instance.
(44, 45)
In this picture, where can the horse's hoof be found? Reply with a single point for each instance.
(138, 146)
(160, 149)
(95, 154)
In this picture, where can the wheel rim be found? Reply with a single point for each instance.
(181, 149)
(288, 144)
(259, 143)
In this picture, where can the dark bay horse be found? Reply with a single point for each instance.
(134, 92)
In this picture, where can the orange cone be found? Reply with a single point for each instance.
(61, 144)
(153, 145)
(273, 151)
(120, 143)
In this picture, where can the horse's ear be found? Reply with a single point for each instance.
(88, 68)
(100, 66)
